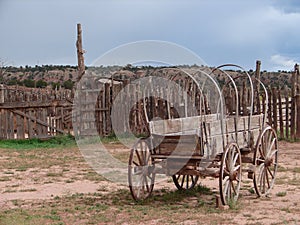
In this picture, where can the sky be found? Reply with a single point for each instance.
(39, 32)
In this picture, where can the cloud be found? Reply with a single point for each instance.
(282, 62)
(287, 6)
(220, 32)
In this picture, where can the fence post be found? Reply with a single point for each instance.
(80, 52)
(270, 119)
(287, 121)
(257, 86)
(274, 94)
(280, 113)
(297, 96)
(2, 93)
(293, 105)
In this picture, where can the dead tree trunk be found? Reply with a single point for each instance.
(80, 52)
(257, 86)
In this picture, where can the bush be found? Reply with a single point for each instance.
(55, 85)
(11, 82)
(29, 83)
(68, 84)
(41, 84)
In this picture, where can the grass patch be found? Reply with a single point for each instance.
(58, 141)
(281, 169)
(296, 170)
(234, 205)
(294, 181)
(96, 208)
(21, 169)
(251, 190)
(286, 209)
(54, 174)
(28, 190)
(111, 139)
(10, 191)
(3, 179)
(281, 194)
(8, 172)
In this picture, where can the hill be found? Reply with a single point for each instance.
(55, 76)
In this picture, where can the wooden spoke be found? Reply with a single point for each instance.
(182, 181)
(265, 160)
(236, 168)
(270, 172)
(230, 174)
(185, 182)
(267, 179)
(234, 160)
(233, 188)
(140, 171)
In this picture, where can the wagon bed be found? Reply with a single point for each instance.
(190, 132)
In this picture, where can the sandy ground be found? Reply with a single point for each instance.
(281, 207)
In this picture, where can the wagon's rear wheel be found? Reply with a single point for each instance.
(265, 161)
(230, 174)
(185, 182)
(141, 171)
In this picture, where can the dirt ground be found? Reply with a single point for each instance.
(56, 186)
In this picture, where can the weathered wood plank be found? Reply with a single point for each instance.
(281, 128)
(37, 120)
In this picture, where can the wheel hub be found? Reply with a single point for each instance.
(268, 162)
(233, 175)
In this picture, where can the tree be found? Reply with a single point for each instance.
(28, 82)
(68, 84)
(55, 85)
(41, 84)
(12, 81)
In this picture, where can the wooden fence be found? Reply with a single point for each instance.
(40, 113)
(34, 113)
(94, 113)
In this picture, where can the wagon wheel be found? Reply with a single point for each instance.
(140, 171)
(265, 161)
(230, 174)
(185, 182)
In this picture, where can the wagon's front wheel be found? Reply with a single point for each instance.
(185, 182)
(230, 174)
(265, 161)
(141, 171)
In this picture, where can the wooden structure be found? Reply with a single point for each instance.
(34, 113)
(216, 140)
(80, 53)
(282, 106)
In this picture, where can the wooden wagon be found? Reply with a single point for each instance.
(219, 143)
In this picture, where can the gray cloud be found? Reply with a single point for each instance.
(288, 6)
(218, 31)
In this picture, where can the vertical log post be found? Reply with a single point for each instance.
(270, 119)
(297, 92)
(80, 52)
(287, 112)
(275, 123)
(280, 114)
(293, 105)
(2, 89)
(257, 86)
